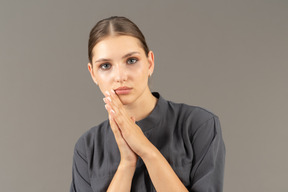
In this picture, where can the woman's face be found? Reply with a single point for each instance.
(120, 63)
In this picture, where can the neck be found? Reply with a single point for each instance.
(143, 106)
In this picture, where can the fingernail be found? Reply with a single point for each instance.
(107, 92)
(105, 107)
(109, 99)
(112, 111)
(104, 99)
(112, 91)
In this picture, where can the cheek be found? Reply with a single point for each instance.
(104, 81)
(140, 78)
(104, 86)
(103, 76)
(140, 70)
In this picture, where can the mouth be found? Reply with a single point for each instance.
(123, 90)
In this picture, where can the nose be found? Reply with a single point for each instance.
(120, 73)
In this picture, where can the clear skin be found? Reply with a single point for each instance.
(120, 61)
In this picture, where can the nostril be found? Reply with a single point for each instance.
(120, 75)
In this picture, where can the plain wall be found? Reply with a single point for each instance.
(229, 57)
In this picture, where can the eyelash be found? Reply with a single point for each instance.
(132, 58)
(107, 66)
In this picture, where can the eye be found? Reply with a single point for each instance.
(131, 60)
(105, 66)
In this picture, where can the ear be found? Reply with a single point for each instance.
(90, 68)
(151, 62)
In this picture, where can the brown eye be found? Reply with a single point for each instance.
(105, 66)
(132, 61)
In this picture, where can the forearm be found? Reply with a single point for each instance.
(161, 173)
(122, 179)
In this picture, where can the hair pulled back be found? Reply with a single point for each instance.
(114, 26)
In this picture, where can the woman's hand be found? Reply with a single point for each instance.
(132, 141)
(128, 157)
(123, 176)
(124, 128)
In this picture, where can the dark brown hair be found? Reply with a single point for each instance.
(114, 26)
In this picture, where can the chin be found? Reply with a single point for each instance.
(126, 99)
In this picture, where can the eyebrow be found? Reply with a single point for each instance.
(130, 54)
(125, 56)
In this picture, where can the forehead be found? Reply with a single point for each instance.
(113, 46)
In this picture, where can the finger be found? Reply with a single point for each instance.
(117, 112)
(113, 103)
(115, 98)
(116, 131)
(110, 111)
(107, 93)
(120, 117)
(111, 95)
(133, 119)
(114, 127)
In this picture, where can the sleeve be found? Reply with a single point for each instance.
(207, 173)
(80, 174)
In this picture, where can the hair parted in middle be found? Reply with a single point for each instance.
(114, 26)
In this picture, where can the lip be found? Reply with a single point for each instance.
(123, 90)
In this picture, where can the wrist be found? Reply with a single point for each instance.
(150, 154)
(127, 166)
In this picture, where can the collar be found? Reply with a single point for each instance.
(153, 119)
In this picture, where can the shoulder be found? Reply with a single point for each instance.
(88, 139)
(196, 112)
(192, 116)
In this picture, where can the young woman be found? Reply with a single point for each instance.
(148, 143)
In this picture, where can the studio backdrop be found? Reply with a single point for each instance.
(227, 56)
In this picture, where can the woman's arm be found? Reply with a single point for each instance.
(123, 177)
(207, 173)
(162, 175)
(80, 176)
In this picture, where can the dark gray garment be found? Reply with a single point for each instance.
(188, 137)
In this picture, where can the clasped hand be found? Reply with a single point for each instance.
(128, 135)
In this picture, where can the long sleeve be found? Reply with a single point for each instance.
(209, 158)
(80, 175)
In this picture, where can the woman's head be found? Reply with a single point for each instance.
(120, 59)
(114, 26)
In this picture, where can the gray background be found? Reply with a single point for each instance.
(227, 56)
